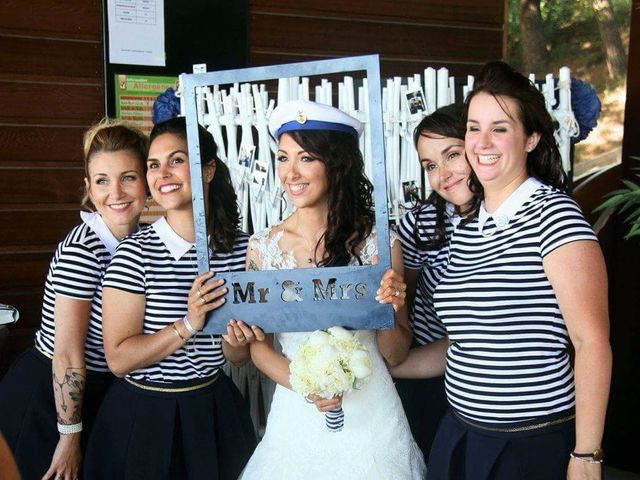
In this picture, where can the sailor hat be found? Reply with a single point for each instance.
(305, 115)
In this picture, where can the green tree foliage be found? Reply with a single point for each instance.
(562, 19)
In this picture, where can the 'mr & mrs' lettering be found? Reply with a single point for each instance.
(293, 292)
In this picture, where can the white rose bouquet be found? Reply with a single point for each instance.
(329, 363)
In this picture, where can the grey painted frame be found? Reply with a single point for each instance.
(301, 299)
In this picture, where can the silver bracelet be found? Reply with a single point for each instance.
(69, 429)
(187, 325)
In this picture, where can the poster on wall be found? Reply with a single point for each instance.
(178, 34)
(136, 32)
(135, 95)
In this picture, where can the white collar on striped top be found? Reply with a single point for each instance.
(454, 218)
(95, 222)
(507, 209)
(176, 245)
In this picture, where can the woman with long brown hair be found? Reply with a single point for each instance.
(322, 171)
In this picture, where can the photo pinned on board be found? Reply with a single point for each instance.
(245, 159)
(260, 176)
(410, 191)
(416, 102)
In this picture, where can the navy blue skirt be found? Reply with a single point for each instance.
(28, 418)
(424, 402)
(462, 452)
(204, 433)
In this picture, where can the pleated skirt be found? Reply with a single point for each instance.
(205, 433)
(463, 452)
(28, 418)
(424, 402)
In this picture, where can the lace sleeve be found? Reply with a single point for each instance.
(370, 249)
(264, 251)
(393, 237)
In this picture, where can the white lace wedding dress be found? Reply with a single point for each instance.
(375, 443)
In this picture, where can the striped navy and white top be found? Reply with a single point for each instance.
(76, 272)
(508, 359)
(159, 264)
(418, 226)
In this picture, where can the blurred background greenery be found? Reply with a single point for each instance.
(592, 38)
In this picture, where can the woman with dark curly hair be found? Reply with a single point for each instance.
(525, 279)
(322, 171)
(173, 413)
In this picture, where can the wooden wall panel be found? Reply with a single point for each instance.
(71, 19)
(39, 226)
(53, 60)
(51, 89)
(462, 13)
(270, 33)
(389, 66)
(40, 146)
(50, 104)
(409, 35)
(57, 185)
(22, 267)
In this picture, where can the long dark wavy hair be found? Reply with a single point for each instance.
(444, 122)
(223, 216)
(351, 217)
(544, 162)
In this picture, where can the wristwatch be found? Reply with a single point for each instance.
(597, 456)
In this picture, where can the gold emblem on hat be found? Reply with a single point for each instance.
(301, 117)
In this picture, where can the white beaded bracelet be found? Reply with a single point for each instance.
(188, 326)
(69, 429)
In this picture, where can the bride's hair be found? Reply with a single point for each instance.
(351, 217)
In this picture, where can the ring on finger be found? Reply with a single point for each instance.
(396, 293)
(199, 293)
(240, 337)
(202, 300)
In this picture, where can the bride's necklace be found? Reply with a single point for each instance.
(309, 245)
(311, 252)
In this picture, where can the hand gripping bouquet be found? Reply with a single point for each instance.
(329, 363)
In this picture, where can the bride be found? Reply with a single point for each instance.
(322, 171)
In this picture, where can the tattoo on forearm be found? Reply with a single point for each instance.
(70, 390)
(253, 266)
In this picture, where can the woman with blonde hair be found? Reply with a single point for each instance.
(173, 413)
(46, 421)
